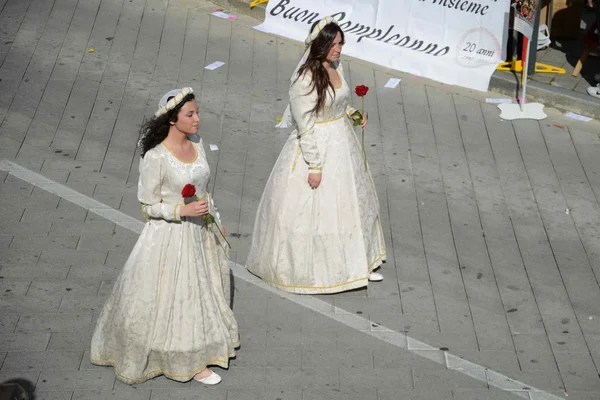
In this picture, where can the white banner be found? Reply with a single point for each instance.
(458, 42)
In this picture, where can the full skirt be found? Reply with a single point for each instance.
(325, 240)
(168, 313)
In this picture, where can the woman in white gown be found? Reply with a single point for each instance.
(317, 227)
(168, 313)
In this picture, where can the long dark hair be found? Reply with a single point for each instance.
(156, 129)
(314, 63)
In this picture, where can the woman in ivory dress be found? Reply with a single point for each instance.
(317, 227)
(168, 313)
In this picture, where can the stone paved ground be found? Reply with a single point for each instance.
(484, 259)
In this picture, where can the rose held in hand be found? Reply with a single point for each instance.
(189, 196)
(361, 90)
(188, 191)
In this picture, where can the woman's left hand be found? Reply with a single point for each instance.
(365, 119)
(224, 231)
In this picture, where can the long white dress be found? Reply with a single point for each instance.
(325, 240)
(169, 312)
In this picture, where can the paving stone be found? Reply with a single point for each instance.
(160, 382)
(54, 322)
(8, 323)
(69, 340)
(13, 256)
(415, 394)
(74, 257)
(264, 394)
(248, 357)
(353, 378)
(336, 394)
(347, 358)
(44, 242)
(82, 304)
(413, 324)
(26, 379)
(40, 360)
(534, 353)
(83, 273)
(115, 242)
(28, 228)
(16, 287)
(109, 394)
(53, 395)
(546, 380)
(483, 394)
(426, 359)
(495, 360)
(435, 378)
(42, 271)
(40, 288)
(195, 393)
(312, 321)
(578, 371)
(5, 242)
(65, 228)
(290, 377)
(12, 304)
(293, 339)
(21, 342)
(576, 395)
(76, 380)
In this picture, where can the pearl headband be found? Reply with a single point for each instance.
(315, 32)
(165, 105)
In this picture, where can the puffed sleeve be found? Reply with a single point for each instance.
(149, 189)
(302, 100)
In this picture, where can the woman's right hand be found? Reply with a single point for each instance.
(314, 180)
(194, 209)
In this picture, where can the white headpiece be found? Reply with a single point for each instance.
(175, 95)
(287, 120)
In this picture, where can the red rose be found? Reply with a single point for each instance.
(188, 191)
(361, 90)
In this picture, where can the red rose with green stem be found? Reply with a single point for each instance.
(189, 195)
(361, 91)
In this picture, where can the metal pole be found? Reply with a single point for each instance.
(532, 50)
(524, 77)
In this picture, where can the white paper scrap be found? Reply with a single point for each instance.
(214, 65)
(263, 28)
(498, 101)
(221, 14)
(393, 82)
(578, 117)
(214, 147)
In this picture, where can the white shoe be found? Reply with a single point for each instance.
(375, 277)
(212, 379)
(594, 91)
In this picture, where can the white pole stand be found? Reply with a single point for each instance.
(523, 110)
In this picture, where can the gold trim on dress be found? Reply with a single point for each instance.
(378, 259)
(185, 162)
(314, 287)
(297, 155)
(155, 373)
(330, 120)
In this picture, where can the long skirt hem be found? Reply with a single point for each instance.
(341, 287)
(153, 374)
